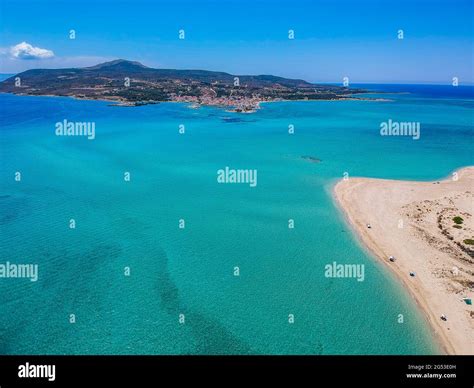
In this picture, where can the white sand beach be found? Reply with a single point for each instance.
(413, 222)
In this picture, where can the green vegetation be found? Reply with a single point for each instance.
(148, 85)
(458, 220)
(457, 226)
(469, 241)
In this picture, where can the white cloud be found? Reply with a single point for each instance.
(11, 65)
(25, 50)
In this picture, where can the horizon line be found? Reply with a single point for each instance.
(432, 83)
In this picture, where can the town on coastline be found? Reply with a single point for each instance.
(128, 83)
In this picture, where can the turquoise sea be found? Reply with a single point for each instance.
(190, 271)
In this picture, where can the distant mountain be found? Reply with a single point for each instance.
(133, 83)
(118, 64)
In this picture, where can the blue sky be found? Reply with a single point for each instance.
(333, 39)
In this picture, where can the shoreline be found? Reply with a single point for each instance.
(358, 212)
(120, 102)
(442, 343)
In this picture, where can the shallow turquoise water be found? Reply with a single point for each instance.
(190, 271)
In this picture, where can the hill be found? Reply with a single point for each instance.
(132, 83)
